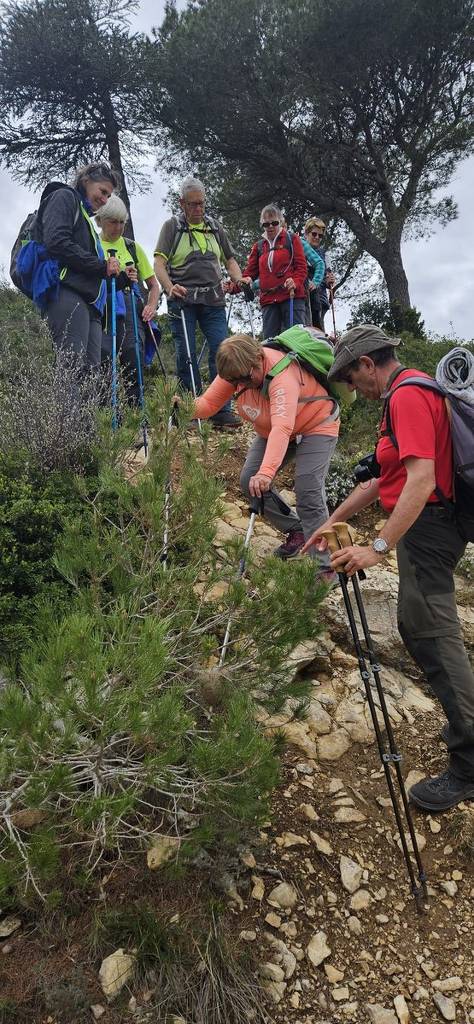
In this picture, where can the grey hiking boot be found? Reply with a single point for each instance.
(292, 545)
(441, 792)
(226, 419)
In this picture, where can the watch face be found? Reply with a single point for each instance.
(380, 546)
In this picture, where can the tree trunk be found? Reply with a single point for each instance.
(394, 274)
(115, 157)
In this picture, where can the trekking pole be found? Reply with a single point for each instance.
(230, 309)
(331, 296)
(166, 509)
(113, 288)
(138, 361)
(248, 299)
(157, 350)
(189, 360)
(201, 353)
(337, 536)
(256, 507)
(292, 306)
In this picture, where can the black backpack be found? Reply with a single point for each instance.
(181, 228)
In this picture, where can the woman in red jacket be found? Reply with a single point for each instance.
(278, 261)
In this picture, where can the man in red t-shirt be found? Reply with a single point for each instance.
(414, 487)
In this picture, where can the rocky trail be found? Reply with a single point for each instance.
(320, 896)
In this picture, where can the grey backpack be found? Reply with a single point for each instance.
(461, 416)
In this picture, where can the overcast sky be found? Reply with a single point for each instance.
(440, 269)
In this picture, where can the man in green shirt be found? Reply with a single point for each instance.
(190, 251)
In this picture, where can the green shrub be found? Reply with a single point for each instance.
(389, 316)
(110, 735)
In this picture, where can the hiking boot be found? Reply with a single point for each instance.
(224, 418)
(293, 544)
(444, 733)
(441, 792)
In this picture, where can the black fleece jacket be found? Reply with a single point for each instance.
(70, 242)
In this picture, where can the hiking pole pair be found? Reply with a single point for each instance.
(340, 535)
(138, 361)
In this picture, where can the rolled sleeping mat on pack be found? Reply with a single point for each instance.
(455, 374)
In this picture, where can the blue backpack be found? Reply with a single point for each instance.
(32, 271)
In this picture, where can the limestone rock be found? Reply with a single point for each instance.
(333, 746)
(351, 874)
(349, 814)
(309, 812)
(317, 949)
(115, 971)
(272, 972)
(339, 994)
(354, 925)
(446, 1006)
(258, 891)
(401, 1009)
(8, 926)
(332, 974)
(248, 936)
(302, 656)
(289, 839)
(97, 1010)
(318, 719)
(379, 1015)
(360, 900)
(296, 734)
(163, 849)
(321, 844)
(283, 895)
(274, 920)
(275, 989)
(451, 984)
(352, 717)
(419, 838)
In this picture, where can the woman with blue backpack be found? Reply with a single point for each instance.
(74, 310)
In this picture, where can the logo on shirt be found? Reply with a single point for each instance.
(251, 412)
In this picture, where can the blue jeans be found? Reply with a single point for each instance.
(213, 324)
(276, 316)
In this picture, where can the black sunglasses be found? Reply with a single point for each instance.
(270, 223)
(318, 233)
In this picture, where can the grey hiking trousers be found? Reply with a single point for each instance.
(429, 626)
(75, 325)
(312, 456)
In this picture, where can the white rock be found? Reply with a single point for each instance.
(354, 925)
(272, 972)
(335, 786)
(97, 1011)
(163, 849)
(360, 900)
(451, 984)
(351, 873)
(275, 989)
(321, 844)
(115, 971)
(450, 888)
(247, 859)
(379, 1015)
(338, 994)
(8, 926)
(318, 719)
(333, 746)
(258, 890)
(274, 920)
(333, 974)
(294, 1000)
(346, 815)
(446, 1007)
(309, 812)
(401, 1009)
(248, 936)
(296, 734)
(421, 841)
(289, 839)
(317, 949)
(283, 895)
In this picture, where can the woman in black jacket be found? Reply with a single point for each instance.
(75, 315)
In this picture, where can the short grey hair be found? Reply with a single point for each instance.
(191, 184)
(271, 209)
(113, 209)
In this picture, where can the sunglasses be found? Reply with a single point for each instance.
(318, 234)
(270, 223)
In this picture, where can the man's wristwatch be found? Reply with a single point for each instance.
(380, 546)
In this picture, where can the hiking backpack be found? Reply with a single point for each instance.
(182, 228)
(461, 418)
(309, 348)
(30, 234)
(288, 245)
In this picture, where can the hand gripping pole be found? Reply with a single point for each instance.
(341, 535)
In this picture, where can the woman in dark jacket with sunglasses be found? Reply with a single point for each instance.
(278, 261)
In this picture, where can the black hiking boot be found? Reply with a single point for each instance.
(444, 733)
(441, 792)
(292, 545)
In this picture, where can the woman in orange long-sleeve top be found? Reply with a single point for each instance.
(288, 426)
